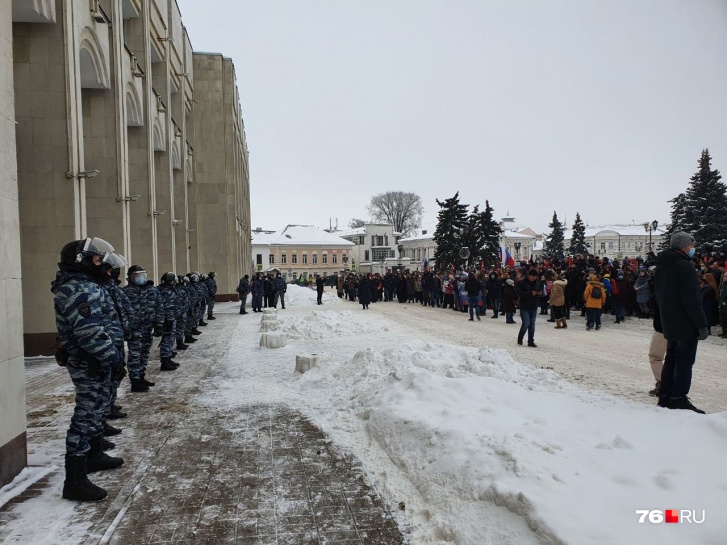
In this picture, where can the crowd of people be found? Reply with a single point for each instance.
(95, 317)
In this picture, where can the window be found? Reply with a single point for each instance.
(378, 240)
(325, 258)
(603, 245)
(315, 259)
(294, 259)
(335, 258)
(610, 245)
(366, 255)
(386, 240)
(259, 259)
(271, 259)
(361, 239)
(419, 254)
(283, 259)
(305, 259)
(380, 254)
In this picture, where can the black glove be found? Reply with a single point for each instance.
(118, 373)
(703, 334)
(168, 326)
(158, 330)
(128, 336)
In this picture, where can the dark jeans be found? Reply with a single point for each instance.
(593, 316)
(676, 375)
(509, 317)
(474, 307)
(320, 297)
(528, 324)
(495, 302)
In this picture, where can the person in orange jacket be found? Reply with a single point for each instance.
(595, 297)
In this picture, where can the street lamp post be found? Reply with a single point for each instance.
(650, 227)
(517, 246)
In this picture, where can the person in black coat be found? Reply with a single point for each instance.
(508, 300)
(528, 292)
(319, 288)
(682, 319)
(364, 291)
(493, 288)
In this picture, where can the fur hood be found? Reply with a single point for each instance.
(563, 283)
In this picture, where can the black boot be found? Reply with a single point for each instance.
(174, 354)
(108, 445)
(196, 331)
(115, 414)
(211, 318)
(77, 487)
(116, 407)
(146, 382)
(683, 403)
(138, 386)
(97, 459)
(167, 365)
(181, 345)
(663, 401)
(202, 323)
(189, 339)
(109, 430)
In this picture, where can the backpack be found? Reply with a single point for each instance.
(596, 292)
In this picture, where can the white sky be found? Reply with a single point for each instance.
(601, 107)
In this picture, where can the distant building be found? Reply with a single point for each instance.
(619, 241)
(375, 247)
(300, 250)
(419, 249)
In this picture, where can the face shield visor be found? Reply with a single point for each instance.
(96, 246)
(114, 260)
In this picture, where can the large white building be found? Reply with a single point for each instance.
(619, 241)
(419, 249)
(375, 247)
(110, 126)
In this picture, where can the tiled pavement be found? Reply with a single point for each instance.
(257, 476)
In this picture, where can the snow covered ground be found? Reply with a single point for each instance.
(484, 449)
(477, 439)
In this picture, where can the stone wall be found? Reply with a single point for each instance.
(13, 451)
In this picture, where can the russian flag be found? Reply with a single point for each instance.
(509, 261)
(426, 264)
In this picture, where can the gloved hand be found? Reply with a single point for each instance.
(118, 373)
(128, 336)
(168, 326)
(158, 330)
(703, 334)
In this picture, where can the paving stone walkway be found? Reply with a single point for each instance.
(261, 475)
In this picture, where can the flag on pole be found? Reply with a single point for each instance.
(509, 261)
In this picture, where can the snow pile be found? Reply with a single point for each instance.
(26, 478)
(321, 324)
(301, 296)
(501, 452)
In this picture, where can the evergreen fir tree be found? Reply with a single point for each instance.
(451, 218)
(578, 238)
(554, 241)
(474, 239)
(492, 232)
(678, 219)
(705, 206)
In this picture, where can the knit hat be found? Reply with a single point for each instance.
(532, 272)
(680, 240)
(510, 282)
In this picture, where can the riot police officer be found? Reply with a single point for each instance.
(88, 326)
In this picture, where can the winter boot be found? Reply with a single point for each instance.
(108, 445)
(558, 324)
(138, 386)
(146, 382)
(109, 430)
(181, 345)
(683, 403)
(189, 340)
(167, 365)
(174, 354)
(565, 323)
(202, 323)
(196, 331)
(115, 414)
(663, 401)
(657, 388)
(116, 407)
(97, 459)
(211, 318)
(77, 487)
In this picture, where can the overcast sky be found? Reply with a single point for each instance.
(601, 107)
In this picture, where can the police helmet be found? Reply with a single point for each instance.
(212, 274)
(203, 277)
(168, 278)
(193, 277)
(78, 255)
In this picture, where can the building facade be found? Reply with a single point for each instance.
(13, 450)
(375, 245)
(301, 250)
(418, 249)
(619, 241)
(112, 134)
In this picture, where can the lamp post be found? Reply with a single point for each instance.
(517, 246)
(345, 262)
(651, 227)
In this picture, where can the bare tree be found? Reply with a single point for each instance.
(356, 223)
(403, 210)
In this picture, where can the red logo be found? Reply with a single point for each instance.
(672, 515)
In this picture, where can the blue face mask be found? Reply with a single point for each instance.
(691, 252)
(140, 280)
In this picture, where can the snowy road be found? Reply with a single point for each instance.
(613, 360)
